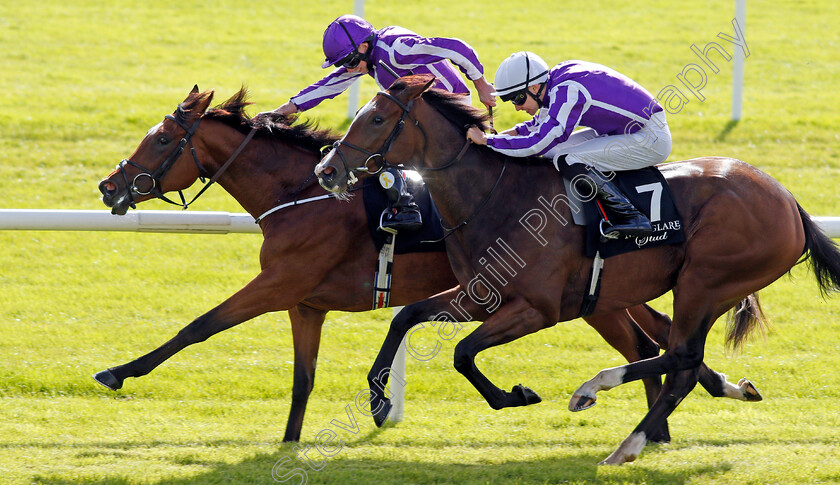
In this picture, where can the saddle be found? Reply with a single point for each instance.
(376, 201)
(648, 190)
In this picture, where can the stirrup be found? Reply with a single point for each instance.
(604, 235)
(382, 226)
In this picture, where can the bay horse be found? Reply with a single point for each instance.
(743, 231)
(277, 166)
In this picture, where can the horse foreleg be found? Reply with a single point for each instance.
(512, 320)
(306, 333)
(658, 326)
(257, 297)
(405, 320)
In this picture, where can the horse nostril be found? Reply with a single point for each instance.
(328, 171)
(107, 187)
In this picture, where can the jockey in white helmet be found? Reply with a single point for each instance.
(625, 127)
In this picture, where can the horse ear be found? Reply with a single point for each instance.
(429, 84)
(194, 89)
(410, 87)
(204, 101)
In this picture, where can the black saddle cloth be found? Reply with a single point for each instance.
(650, 193)
(407, 241)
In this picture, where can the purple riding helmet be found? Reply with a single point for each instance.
(342, 38)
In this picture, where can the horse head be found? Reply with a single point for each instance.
(154, 169)
(384, 127)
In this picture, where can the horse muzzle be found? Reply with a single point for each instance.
(331, 178)
(118, 200)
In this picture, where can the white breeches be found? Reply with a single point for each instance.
(646, 147)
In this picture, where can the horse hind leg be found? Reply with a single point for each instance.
(693, 317)
(658, 325)
(677, 386)
(687, 355)
(306, 325)
(682, 363)
(621, 331)
(716, 384)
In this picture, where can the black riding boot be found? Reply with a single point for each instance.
(627, 221)
(402, 213)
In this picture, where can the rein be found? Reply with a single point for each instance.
(492, 128)
(450, 231)
(155, 177)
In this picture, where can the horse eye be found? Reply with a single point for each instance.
(378, 120)
(162, 140)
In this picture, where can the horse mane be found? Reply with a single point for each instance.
(451, 106)
(289, 129)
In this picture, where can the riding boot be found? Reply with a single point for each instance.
(628, 220)
(402, 212)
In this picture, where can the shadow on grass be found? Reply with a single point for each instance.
(730, 125)
(283, 467)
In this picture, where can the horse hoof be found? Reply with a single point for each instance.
(380, 417)
(107, 379)
(611, 460)
(579, 403)
(526, 396)
(750, 392)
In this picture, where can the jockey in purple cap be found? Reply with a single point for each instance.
(624, 127)
(356, 48)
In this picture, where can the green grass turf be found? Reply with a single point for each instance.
(82, 81)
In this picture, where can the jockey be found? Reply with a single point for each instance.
(625, 129)
(356, 48)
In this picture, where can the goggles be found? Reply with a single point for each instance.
(352, 60)
(518, 98)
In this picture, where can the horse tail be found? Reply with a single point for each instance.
(822, 254)
(743, 319)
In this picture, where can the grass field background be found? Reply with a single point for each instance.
(80, 84)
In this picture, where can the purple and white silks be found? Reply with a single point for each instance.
(625, 129)
(405, 53)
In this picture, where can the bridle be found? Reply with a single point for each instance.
(386, 146)
(155, 177)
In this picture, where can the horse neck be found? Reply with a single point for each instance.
(459, 189)
(265, 172)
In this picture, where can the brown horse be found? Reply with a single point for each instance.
(743, 231)
(276, 166)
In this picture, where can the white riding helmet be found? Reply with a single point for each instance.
(517, 72)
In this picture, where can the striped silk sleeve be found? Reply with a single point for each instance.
(329, 87)
(566, 104)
